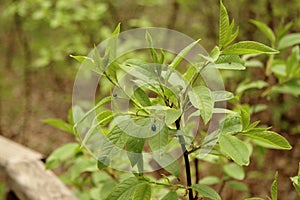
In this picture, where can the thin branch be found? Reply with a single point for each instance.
(196, 161)
(186, 161)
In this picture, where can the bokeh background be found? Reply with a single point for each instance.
(37, 74)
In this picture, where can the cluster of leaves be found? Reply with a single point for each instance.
(173, 97)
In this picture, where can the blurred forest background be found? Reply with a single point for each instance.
(37, 74)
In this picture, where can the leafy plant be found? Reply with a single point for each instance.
(296, 181)
(158, 118)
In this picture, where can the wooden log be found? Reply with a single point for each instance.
(27, 175)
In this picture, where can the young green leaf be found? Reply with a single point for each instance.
(61, 154)
(60, 124)
(274, 188)
(111, 145)
(172, 115)
(97, 106)
(215, 53)
(221, 95)
(142, 192)
(237, 185)
(170, 196)
(265, 29)
(152, 50)
(141, 96)
(201, 98)
(296, 181)
(80, 58)
(134, 147)
(223, 25)
(236, 149)
(231, 124)
(235, 171)
(167, 161)
(104, 117)
(206, 191)
(252, 85)
(182, 54)
(87, 63)
(248, 47)
(268, 139)
(245, 117)
(159, 140)
(210, 180)
(289, 40)
(124, 190)
(230, 62)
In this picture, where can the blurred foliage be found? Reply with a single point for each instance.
(37, 37)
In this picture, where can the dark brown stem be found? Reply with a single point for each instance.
(196, 161)
(186, 161)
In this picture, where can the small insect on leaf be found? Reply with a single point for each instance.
(115, 95)
(153, 127)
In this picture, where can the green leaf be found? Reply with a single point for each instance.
(87, 63)
(210, 180)
(289, 40)
(182, 54)
(170, 94)
(142, 192)
(206, 191)
(111, 145)
(61, 154)
(80, 58)
(201, 98)
(265, 29)
(230, 66)
(82, 164)
(104, 117)
(60, 124)
(245, 117)
(170, 196)
(290, 87)
(152, 50)
(274, 187)
(111, 48)
(235, 171)
(166, 161)
(223, 25)
(248, 47)
(230, 62)
(215, 53)
(269, 139)
(231, 124)
(124, 190)
(141, 128)
(236, 149)
(221, 95)
(159, 140)
(296, 181)
(141, 96)
(252, 85)
(172, 115)
(190, 73)
(98, 105)
(144, 72)
(134, 147)
(237, 185)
